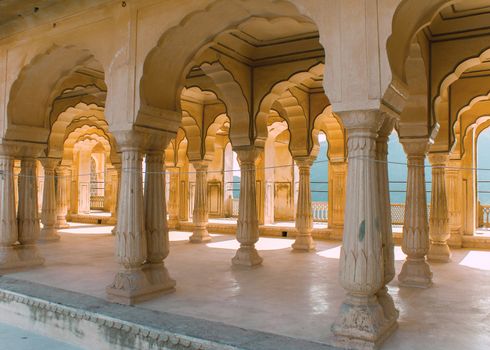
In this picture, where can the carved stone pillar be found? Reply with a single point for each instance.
(385, 299)
(361, 322)
(28, 214)
(116, 190)
(8, 229)
(454, 184)
(130, 283)
(49, 210)
(64, 181)
(415, 271)
(200, 213)
(247, 224)
(336, 197)
(439, 217)
(158, 245)
(304, 217)
(173, 201)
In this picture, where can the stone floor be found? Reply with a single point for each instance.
(12, 338)
(293, 294)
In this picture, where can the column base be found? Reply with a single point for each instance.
(200, 235)
(304, 243)
(132, 286)
(20, 256)
(337, 233)
(361, 324)
(415, 273)
(173, 224)
(386, 301)
(439, 252)
(247, 256)
(48, 234)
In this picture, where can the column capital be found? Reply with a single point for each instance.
(416, 146)
(386, 127)
(22, 149)
(247, 153)
(362, 120)
(142, 140)
(49, 163)
(438, 159)
(200, 164)
(306, 161)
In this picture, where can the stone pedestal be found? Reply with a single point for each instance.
(158, 245)
(247, 224)
(439, 217)
(304, 217)
(384, 298)
(415, 271)
(200, 213)
(173, 201)
(48, 212)
(361, 322)
(64, 180)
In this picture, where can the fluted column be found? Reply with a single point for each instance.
(130, 283)
(173, 201)
(158, 245)
(304, 217)
(200, 212)
(247, 224)
(48, 212)
(64, 180)
(9, 231)
(28, 214)
(385, 299)
(116, 189)
(439, 216)
(415, 271)
(361, 321)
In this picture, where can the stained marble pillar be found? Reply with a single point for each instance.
(247, 224)
(173, 201)
(28, 214)
(62, 195)
(304, 218)
(158, 245)
(439, 216)
(49, 210)
(200, 211)
(361, 322)
(415, 271)
(384, 298)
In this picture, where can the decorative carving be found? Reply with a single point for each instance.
(304, 218)
(200, 211)
(48, 213)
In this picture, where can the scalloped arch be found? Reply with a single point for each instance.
(219, 16)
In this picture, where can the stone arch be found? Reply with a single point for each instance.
(211, 131)
(193, 134)
(331, 125)
(79, 133)
(162, 79)
(26, 109)
(314, 72)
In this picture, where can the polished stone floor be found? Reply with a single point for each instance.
(293, 294)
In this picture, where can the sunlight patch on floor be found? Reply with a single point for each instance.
(477, 260)
(262, 244)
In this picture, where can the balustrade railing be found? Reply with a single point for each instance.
(96, 202)
(319, 211)
(483, 215)
(235, 206)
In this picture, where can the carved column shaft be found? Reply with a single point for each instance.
(200, 210)
(28, 211)
(158, 245)
(64, 180)
(439, 215)
(49, 210)
(386, 301)
(155, 211)
(361, 318)
(8, 220)
(415, 272)
(173, 201)
(247, 224)
(304, 217)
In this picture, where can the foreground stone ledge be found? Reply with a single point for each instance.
(94, 323)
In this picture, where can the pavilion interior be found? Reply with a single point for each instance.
(235, 165)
